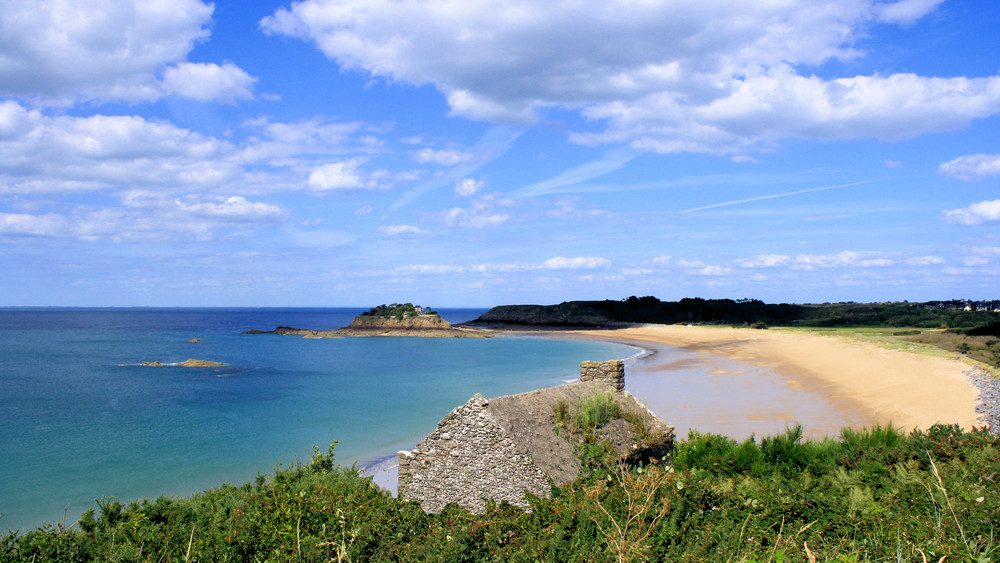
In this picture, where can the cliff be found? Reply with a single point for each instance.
(572, 313)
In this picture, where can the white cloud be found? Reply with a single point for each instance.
(474, 218)
(757, 110)
(209, 81)
(975, 214)
(713, 271)
(765, 261)
(925, 260)
(337, 176)
(64, 154)
(664, 76)
(682, 263)
(149, 216)
(662, 260)
(971, 168)
(577, 263)
(398, 230)
(843, 258)
(904, 12)
(364, 210)
(555, 263)
(483, 214)
(49, 224)
(443, 157)
(218, 208)
(467, 187)
(429, 269)
(58, 52)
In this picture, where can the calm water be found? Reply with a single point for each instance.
(80, 418)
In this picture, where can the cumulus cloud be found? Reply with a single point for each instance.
(577, 263)
(50, 224)
(971, 168)
(975, 214)
(663, 76)
(54, 52)
(555, 263)
(402, 230)
(843, 258)
(218, 208)
(765, 261)
(925, 260)
(712, 271)
(209, 81)
(429, 269)
(446, 157)
(147, 215)
(337, 176)
(485, 212)
(65, 154)
(465, 187)
(474, 218)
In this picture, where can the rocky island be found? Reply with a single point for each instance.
(388, 320)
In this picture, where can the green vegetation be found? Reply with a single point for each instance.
(933, 314)
(945, 325)
(396, 310)
(872, 495)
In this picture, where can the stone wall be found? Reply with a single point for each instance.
(468, 459)
(611, 372)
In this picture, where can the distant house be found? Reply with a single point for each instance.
(502, 448)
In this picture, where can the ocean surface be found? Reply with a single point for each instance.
(81, 418)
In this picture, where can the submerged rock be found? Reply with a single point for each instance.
(188, 363)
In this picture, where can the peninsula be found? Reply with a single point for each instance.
(396, 319)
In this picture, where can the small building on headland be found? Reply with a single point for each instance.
(503, 447)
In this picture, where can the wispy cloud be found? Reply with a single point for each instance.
(784, 194)
(566, 181)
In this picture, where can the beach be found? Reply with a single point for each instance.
(746, 382)
(861, 384)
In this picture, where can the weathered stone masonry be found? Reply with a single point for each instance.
(500, 448)
(611, 372)
(468, 459)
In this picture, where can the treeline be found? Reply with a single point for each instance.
(872, 495)
(750, 312)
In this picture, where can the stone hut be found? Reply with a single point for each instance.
(503, 447)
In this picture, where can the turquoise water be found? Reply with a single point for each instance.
(80, 418)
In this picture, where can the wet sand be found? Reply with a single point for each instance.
(742, 381)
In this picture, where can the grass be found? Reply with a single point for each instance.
(869, 495)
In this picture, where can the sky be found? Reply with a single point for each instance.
(462, 153)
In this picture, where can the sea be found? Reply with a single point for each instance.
(81, 417)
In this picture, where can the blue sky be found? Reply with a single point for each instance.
(468, 153)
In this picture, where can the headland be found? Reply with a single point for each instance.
(388, 320)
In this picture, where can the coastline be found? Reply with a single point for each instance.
(868, 384)
(746, 382)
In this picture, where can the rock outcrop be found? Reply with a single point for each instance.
(188, 363)
(399, 324)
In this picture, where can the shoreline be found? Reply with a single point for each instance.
(756, 382)
(879, 385)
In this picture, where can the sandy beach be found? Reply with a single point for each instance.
(861, 384)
